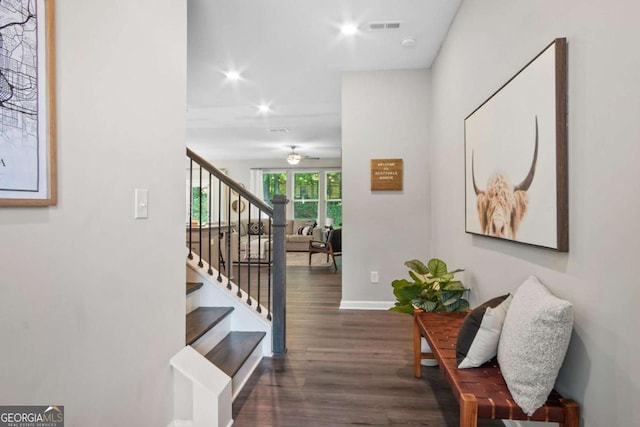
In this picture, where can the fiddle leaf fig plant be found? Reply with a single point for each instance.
(432, 288)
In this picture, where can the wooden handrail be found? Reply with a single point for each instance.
(233, 185)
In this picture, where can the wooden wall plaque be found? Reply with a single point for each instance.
(386, 174)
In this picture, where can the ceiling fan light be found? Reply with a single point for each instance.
(293, 158)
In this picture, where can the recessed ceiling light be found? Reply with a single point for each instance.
(349, 29)
(264, 108)
(232, 75)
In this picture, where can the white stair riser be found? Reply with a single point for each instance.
(193, 301)
(216, 334)
(250, 365)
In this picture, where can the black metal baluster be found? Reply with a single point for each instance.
(200, 264)
(220, 234)
(269, 275)
(228, 239)
(251, 256)
(246, 248)
(258, 308)
(190, 256)
(210, 271)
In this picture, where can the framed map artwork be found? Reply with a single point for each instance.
(27, 103)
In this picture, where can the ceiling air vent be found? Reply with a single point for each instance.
(384, 25)
(279, 130)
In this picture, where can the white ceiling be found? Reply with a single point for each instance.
(291, 55)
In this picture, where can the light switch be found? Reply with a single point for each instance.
(142, 203)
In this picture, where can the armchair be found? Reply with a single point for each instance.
(332, 247)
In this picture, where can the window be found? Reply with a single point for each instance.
(313, 194)
(305, 195)
(273, 183)
(333, 198)
(198, 195)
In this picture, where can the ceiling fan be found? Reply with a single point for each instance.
(293, 158)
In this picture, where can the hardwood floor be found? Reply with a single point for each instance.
(343, 367)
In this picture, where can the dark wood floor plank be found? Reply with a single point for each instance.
(343, 367)
(202, 319)
(230, 354)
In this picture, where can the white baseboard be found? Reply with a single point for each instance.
(365, 305)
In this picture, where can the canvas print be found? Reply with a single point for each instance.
(515, 156)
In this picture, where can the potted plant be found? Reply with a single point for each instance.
(432, 289)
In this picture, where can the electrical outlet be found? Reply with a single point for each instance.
(374, 277)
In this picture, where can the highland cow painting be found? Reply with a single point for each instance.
(516, 157)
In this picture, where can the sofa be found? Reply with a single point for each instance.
(298, 233)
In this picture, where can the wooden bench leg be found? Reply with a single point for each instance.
(468, 410)
(572, 413)
(417, 350)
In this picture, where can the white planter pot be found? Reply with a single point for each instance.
(424, 348)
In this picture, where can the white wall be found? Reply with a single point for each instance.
(384, 115)
(92, 301)
(488, 42)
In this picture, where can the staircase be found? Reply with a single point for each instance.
(228, 329)
(225, 341)
(208, 331)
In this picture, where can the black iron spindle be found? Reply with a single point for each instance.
(200, 264)
(190, 256)
(220, 234)
(250, 255)
(228, 239)
(209, 224)
(258, 309)
(269, 275)
(239, 293)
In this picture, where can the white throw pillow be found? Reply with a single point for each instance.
(534, 341)
(480, 332)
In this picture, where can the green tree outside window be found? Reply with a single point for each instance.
(273, 183)
(305, 195)
(334, 197)
(197, 195)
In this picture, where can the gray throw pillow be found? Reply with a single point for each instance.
(534, 341)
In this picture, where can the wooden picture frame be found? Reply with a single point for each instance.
(516, 185)
(28, 174)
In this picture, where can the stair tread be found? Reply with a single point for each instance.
(231, 353)
(193, 286)
(202, 319)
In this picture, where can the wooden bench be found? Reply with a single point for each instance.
(481, 392)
